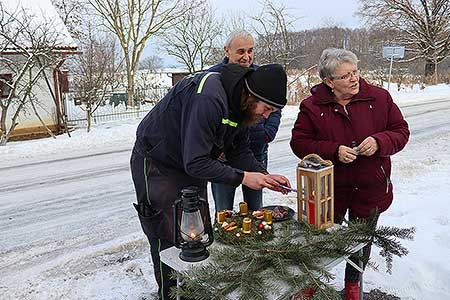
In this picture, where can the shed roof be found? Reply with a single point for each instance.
(43, 14)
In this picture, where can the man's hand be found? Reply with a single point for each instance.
(257, 181)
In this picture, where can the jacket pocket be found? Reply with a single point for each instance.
(151, 220)
(154, 149)
(388, 179)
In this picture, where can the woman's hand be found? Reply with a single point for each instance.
(368, 147)
(346, 154)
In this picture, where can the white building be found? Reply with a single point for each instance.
(43, 24)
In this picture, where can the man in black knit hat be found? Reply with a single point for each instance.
(179, 141)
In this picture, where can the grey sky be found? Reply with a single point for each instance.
(311, 14)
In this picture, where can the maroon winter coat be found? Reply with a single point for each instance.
(322, 126)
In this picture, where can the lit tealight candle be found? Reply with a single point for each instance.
(268, 216)
(243, 208)
(247, 225)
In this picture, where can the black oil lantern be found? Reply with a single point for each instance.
(192, 225)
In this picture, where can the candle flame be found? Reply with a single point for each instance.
(193, 235)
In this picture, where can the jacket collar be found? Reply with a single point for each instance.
(232, 77)
(323, 95)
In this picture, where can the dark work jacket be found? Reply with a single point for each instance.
(192, 125)
(323, 125)
(265, 130)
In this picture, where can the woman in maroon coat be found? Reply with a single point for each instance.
(358, 127)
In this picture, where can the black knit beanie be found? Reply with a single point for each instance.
(268, 84)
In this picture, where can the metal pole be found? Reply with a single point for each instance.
(390, 72)
(178, 286)
(361, 275)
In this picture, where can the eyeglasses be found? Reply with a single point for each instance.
(347, 76)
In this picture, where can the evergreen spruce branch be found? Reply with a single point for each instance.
(371, 264)
(251, 275)
(389, 259)
(251, 279)
(191, 288)
(280, 267)
(293, 282)
(386, 239)
(285, 295)
(322, 290)
(401, 233)
(254, 287)
(223, 283)
(333, 245)
(293, 259)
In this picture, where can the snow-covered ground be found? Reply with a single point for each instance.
(101, 255)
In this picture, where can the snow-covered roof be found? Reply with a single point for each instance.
(43, 14)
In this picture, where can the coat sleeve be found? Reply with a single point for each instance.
(200, 121)
(304, 136)
(396, 135)
(240, 156)
(271, 126)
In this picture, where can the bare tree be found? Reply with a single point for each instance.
(26, 51)
(274, 41)
(193, 38)
(72, 13)
(424, 26)
(95, 71)
(148, 88)
(233, 21)
(134, 22)
(151, 63)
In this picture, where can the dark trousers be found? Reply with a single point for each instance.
(224, 194)
(352, 274)
(161, 270)
(156, 193)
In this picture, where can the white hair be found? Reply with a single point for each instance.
(238, 33)
(331, 58)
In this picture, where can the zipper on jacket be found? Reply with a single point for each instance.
(388, 180)
(345, 109)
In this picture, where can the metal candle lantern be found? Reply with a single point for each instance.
(315, 193)
(192, 225)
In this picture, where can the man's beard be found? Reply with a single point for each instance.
(248, 112)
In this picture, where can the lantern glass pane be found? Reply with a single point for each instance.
(322, 212)
(322, 188)
(304, 196)
(328, 185)
(329, 209)
(191, 226)
(310, 187)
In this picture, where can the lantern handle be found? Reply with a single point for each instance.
(207, 222)
(314, 161)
